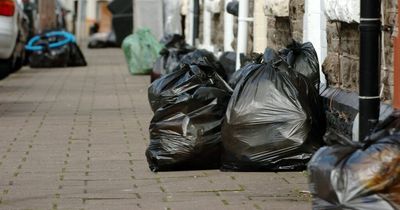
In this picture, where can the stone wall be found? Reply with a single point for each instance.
(388, 74)
(296, 16)
(342, 64)
(278, 34)
(282, 30)
(218, 28)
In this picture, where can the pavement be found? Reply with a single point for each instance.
(74, 138)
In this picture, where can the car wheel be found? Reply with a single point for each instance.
(6, 66)
(19, 62)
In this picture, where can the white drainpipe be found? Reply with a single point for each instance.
(207, 26)
(260, 27)
(189, 24)
(242, 30)
(314, 30)
(228, 29)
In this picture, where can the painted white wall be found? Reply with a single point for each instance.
(141, 18)
(243, 30)
(189, 23)
(210, 8)
(91, 10)
(90, 14)
(314, 30)
(207, 26)
(260, 27)
(343, 10)
(228, 29)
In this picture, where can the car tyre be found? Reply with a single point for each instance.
(19, 62)
(6, 66)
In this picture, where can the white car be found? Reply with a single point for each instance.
(13, 35)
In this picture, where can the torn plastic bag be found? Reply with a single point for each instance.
(141, 51)
(185, 131)
(159, 92)
(303, 59)
(359, 176)
(274, 121)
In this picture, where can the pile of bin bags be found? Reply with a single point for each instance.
(175, 48)
(189, 106)
(272, 120)
(53, 50)
(359, 176)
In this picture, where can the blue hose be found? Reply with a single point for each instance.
(68, 37)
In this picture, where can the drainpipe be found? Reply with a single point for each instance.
(370, 38)
(189, 24)
(196, 14)
(228, 29)
(396, 99)
(260, 27)
(207, 27)
(242, 30)
(81, 29)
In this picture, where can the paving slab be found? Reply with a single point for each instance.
(75, 138)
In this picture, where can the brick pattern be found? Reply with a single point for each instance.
(282, 30)
(342, 63)
(342, 66)
(75, 138)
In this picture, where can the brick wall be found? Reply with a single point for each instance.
(341, 66)
(281, 30)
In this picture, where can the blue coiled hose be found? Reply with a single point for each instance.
(68, 37)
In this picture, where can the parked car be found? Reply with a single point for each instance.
(13, 36)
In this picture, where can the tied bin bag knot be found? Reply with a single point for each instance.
(272, 120)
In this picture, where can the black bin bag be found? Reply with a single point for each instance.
(170, 56)
(256, 58)
(274, 121)
(160, 91)
(50, 58)
(303, 59)
(67, 55)
(185, 132)
(359, 176)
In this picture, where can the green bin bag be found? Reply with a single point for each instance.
(141, 51)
